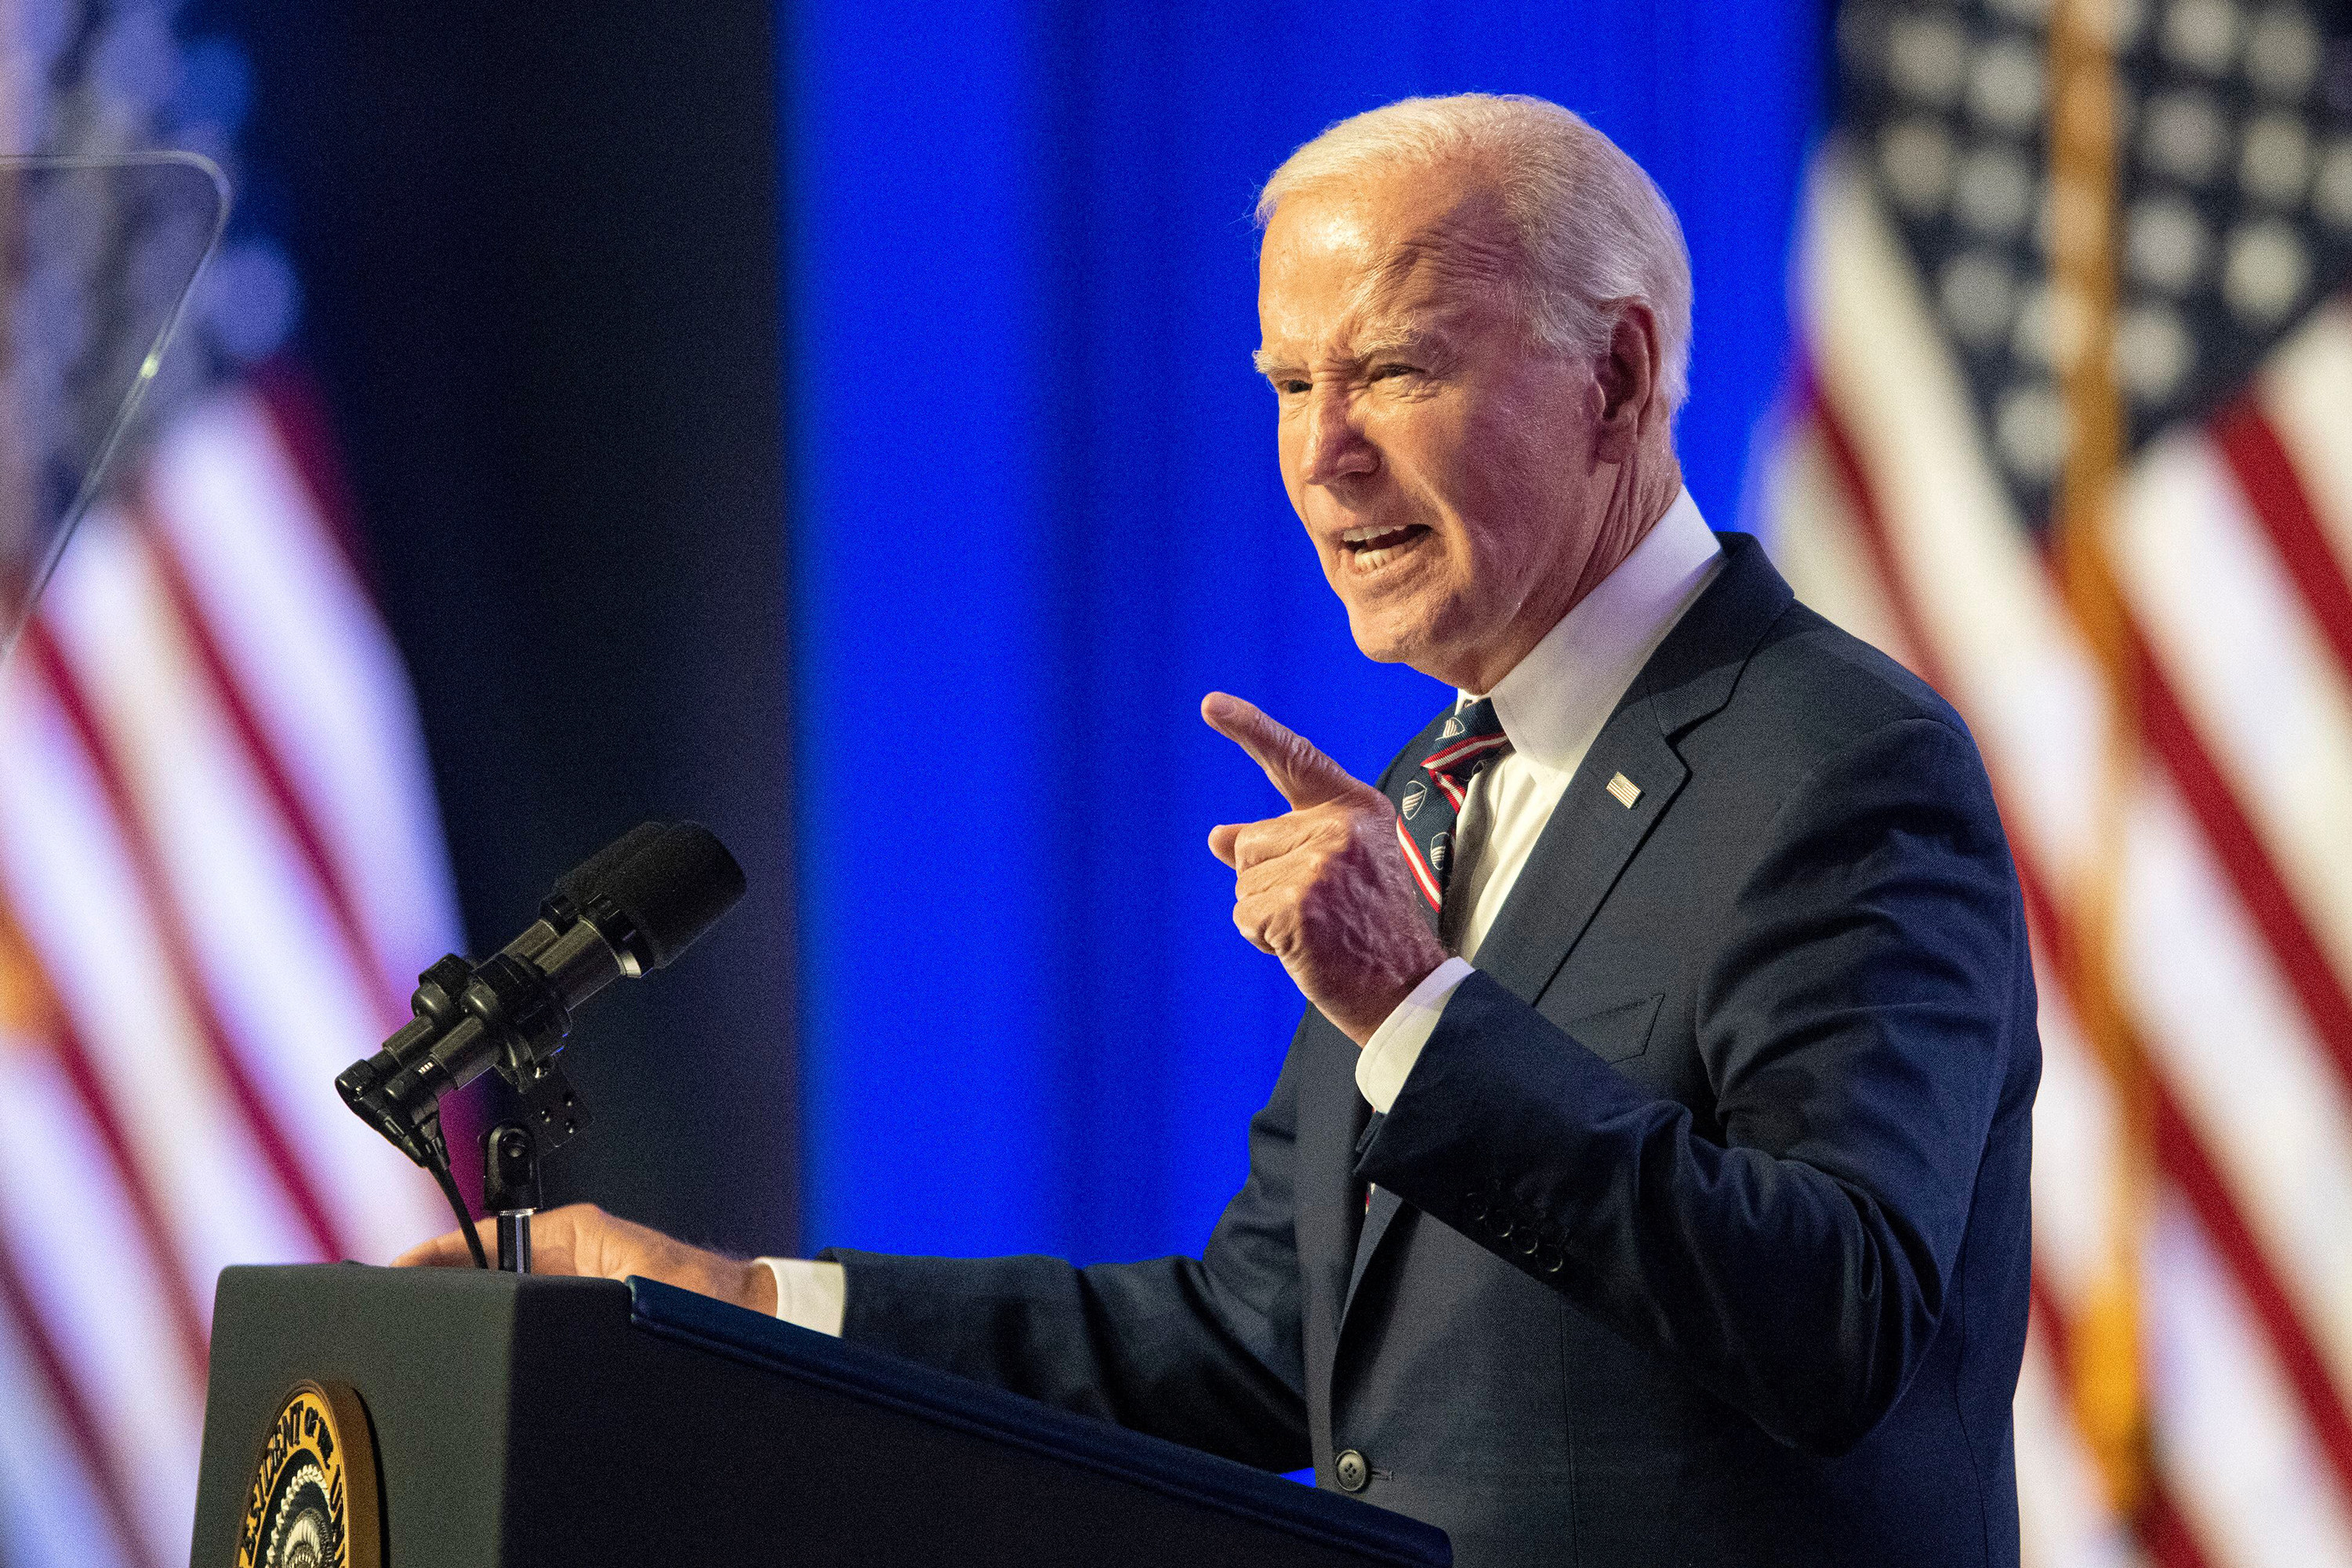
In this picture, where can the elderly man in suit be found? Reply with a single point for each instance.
(1647, 1180)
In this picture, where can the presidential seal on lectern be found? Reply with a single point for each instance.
(314, 1500)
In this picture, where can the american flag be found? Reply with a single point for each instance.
(221, 865)
(2075, 441)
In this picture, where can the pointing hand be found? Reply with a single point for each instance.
(1324, 887)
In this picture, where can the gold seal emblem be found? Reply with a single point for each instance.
(313, 1502)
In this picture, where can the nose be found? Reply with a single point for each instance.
(1335, 445)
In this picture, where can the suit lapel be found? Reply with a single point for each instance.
(1331, 1200)
(1378, 1217)
(1593, 833)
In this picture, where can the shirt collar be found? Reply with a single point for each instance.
(1554, 700)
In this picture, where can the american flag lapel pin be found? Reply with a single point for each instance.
(1626, 791)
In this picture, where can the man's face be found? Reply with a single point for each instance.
(1442, 460)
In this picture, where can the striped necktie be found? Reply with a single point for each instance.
(1432, 803)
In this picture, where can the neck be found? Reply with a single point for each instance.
(1642, 489)
(1641, 492)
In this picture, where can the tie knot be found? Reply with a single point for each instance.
(1469, 741)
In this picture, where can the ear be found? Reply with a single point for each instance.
(1626, 371)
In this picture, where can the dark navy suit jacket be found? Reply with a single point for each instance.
(1701, 1225)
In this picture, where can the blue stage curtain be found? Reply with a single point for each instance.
(1034, 515)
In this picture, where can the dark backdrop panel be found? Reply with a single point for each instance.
(538, 249)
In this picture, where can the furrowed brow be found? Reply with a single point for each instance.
(1415, 343)
(1398, 343)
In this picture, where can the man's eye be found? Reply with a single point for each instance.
(1389, 372)
(1291, 386)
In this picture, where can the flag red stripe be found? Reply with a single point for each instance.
(277, 1149)
(2239, 851)
(304, 428)
(2178, 1148)
(162, 1245)
(81, 1423)
(271, 768)
(2166, 1533)
(2183, 1158)
(2161, 1528)
(2265, 473)
(1861, 498)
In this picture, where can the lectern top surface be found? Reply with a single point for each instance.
(537, 1422)
(1197, 1478)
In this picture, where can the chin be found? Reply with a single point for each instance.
(1381, 640)
(1419, 641)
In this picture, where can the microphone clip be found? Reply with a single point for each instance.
(503, 1013)
(528, 1021)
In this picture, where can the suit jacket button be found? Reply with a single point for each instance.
(1476, 1206)
(1552, 1259)
(1527, 1242)
(1350, 1470)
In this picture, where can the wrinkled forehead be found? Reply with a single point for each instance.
(1343, 261)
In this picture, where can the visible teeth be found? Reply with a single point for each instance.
(1373, 560)
(1365, 535)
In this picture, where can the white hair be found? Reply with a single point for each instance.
(1592, 229)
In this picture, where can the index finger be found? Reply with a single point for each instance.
(1305, 775)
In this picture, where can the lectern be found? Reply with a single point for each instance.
(462, 1419)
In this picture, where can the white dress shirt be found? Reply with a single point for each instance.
(1552, 705)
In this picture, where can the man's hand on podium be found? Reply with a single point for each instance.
(581, 1238)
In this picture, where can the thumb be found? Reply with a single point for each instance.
(1305, 776)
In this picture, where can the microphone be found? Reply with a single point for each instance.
(436, 1002)
(630, 908)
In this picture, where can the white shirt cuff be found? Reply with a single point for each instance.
(808, 1294)
(1388, 1058)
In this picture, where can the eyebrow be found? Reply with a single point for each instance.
(1411, 341)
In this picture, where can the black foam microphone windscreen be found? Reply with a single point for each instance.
(674, 889)
(584, 881)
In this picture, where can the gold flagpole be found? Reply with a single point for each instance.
(2106, 1375)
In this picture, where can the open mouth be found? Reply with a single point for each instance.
(1370, 548)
